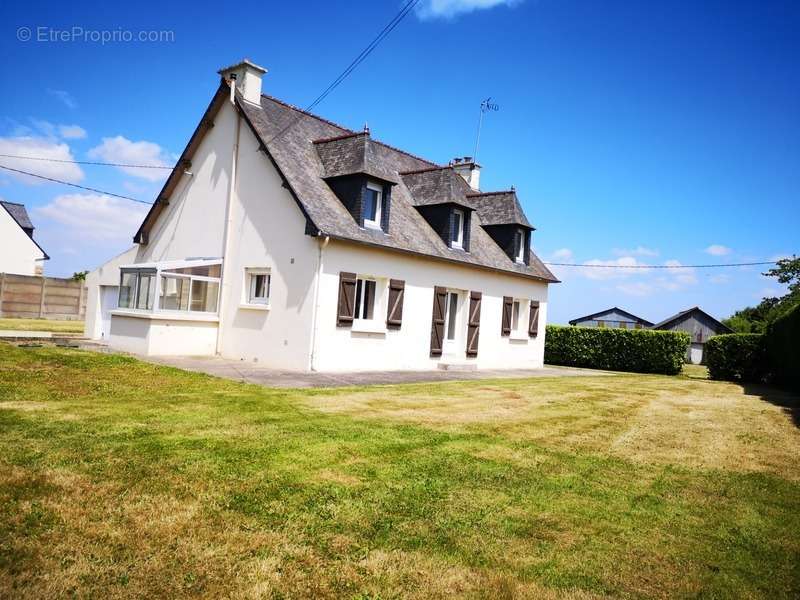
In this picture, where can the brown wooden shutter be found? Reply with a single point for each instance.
(437, 320)
(508, 306)
(394, 314)
(533, 320)
(347, 299)
(474, 325)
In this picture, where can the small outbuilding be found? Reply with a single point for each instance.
(612, 317)
(699, 325)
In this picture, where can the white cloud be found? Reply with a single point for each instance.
(434, 9)
(769, 292)
(604, 269)
(122, 150)
(638, 251)
(72, 132)
(93, 217)
(65, 97)
(718, 250)
(42, 148)
(561, 255)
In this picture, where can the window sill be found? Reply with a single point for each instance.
(166, 316)
(254, 307)
(519, 336)
(368, 327)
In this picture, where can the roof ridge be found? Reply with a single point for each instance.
(305, 112)
(426, 170)
(336, 138)
(10, 202)
(351, 131)
(495, 193)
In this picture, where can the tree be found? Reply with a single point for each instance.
(755, 319)
(80, 275)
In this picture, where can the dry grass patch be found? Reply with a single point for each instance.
(42, 325)
(125, 479)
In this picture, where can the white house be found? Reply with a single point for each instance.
(283, 238)
(19, 252)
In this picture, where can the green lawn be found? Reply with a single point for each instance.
(120, 478)
(42, 325)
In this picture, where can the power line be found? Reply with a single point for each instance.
(75, 185)
(715, 266)
(390, 26)
(85, 162)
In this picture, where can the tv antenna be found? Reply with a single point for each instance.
(486, 106)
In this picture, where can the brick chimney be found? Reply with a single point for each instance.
(247, 76)
(469, 170)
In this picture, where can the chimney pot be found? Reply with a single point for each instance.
(469, 170)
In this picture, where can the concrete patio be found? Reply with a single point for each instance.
(251, 373)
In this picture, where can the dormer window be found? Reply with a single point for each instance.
(373, 199)
(519, 245)
(458, 228)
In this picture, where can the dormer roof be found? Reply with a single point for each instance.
(436, 185)
(352, 154)
(499, 208)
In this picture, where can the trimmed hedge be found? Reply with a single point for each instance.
(737, 357)
(636, 350)
(783, 348)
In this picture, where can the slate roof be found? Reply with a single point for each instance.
(20, 215)
(612, 309)
(288, 135)
(436, 185)
(668, 321)
(499, 208)
(351, 154)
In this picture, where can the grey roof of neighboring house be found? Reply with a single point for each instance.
(20, 215)
(612, 309)
(18, 212)
(688, 311)
(436, 185)
(288, 135)
(499, 208)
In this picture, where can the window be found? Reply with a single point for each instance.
(519, 244)
(515, 315)
(258, 285)
(365, 299)
(638, 326)
(458, 228)
(373, 198)
(623, 325)
(193, 287)
(452, 313)
(137, 289)
(601, 323)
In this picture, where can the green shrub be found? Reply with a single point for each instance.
(783, 348)
(636, 350)
(737, 357)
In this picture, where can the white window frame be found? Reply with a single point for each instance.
(249, 299)
(458, 242)
(520, 309)
(376, 223)
(159, 270)
(361, 296)
(520, 257)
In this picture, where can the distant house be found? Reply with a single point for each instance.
(19, 252)
(699, 325)
(612, 317)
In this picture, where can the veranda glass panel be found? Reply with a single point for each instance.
(127, 290)
(174, 293)
(204, 296)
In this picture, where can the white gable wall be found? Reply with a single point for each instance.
(18, 252)
(346, 349)
(268, 232)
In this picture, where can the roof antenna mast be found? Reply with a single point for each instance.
(486, 106)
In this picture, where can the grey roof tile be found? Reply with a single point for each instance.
(288, 134)
(18, 212)
(499, 208)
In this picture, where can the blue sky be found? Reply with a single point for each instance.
(634, 133)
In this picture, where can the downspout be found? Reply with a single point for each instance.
(323, 242)
(226, 235)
